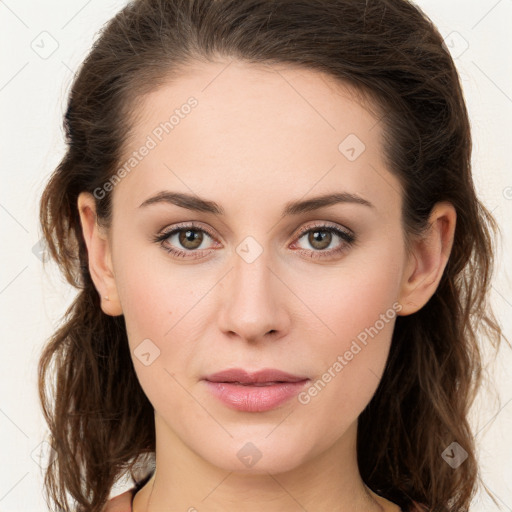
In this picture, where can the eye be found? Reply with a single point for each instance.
(189, 240)
(321, 236)
(184, 241)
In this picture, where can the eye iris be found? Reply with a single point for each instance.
(190, 239)
(324, 238)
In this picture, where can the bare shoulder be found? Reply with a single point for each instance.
(121, 503)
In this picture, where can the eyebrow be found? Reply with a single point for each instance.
(195, 203)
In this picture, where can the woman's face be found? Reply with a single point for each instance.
(259, 281)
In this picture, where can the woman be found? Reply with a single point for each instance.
(283, 266)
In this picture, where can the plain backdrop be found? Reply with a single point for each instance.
(42, 45)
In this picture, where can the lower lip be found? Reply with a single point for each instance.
(255, 398)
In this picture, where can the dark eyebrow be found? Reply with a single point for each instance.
(192, 202)
(188, 201)
(315, 203)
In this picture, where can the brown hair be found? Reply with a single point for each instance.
(99, 417)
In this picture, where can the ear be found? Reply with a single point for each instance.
(99, 255)
(427, 260)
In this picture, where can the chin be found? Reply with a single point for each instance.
(257, 453)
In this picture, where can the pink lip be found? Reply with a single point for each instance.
(254, 392)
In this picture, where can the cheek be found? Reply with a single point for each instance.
(160, 306)
(147, 307)
(353, 296)
(154, 296)
(359, 307)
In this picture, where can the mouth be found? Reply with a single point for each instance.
(254, 392)
(266, 376)
(257, 384)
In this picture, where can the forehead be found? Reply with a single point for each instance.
(234, 129)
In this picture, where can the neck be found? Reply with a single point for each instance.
(328, 482)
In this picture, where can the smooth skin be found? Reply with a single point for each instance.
(260, 137)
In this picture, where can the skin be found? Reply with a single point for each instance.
(260, 137)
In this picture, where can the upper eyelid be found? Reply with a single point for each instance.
(194, 225)
(323, 225)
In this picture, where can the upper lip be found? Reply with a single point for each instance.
(260, 376)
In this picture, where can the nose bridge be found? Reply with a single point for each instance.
(251, 307)
(251, 270)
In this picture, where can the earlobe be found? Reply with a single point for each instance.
(99, 255)
(427, 259)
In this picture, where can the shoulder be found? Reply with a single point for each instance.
(121, 503)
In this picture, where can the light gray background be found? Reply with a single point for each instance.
(42, 44)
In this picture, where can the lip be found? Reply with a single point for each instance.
(258, 377)
(258, 391)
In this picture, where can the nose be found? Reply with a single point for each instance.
(253, 301)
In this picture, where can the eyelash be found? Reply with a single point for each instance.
(348, 238)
